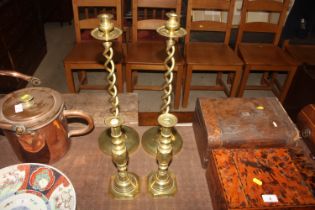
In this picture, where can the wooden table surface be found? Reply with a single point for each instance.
(98, 106)
(89, 171)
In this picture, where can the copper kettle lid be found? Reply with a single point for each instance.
(31, 107)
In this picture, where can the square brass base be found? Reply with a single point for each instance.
(161, 188)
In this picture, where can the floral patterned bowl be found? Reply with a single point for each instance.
(35, 186)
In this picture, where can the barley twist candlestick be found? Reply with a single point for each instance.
(115, 141)
(107, 32)
(151, 137)
(162, 182)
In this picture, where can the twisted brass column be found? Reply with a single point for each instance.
(151, 137)
(165, 141)
(115, 141)
(107, 32)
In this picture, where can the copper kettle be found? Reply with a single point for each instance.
(34, 120)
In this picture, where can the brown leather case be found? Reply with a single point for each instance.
(231, 173)
(241, 123)
(306, 124)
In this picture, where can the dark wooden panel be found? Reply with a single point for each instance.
(301, 92)
(22, 40)
(150, 118)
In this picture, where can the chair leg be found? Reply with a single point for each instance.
(129, 78)
(244, 80)
(230, 78)
(120, 84)
(69, 78)
(178, 85)
(219, 78)
(235, 82)
(264, 78)
(287, 84)
(187, 85)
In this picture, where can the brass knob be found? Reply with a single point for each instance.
(27, 100)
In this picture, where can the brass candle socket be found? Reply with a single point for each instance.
(106, 32)
(150, 138)
(124, 184)
(162, 183)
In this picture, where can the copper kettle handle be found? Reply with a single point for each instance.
(79, 114)
(34, 80)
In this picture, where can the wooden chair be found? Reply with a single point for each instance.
(148, 53)
(304, 53)
(86, 55)
(211, 56)
(266, 57)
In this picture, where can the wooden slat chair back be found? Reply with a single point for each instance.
(210, 25)
(149, 15)
(269, 6)
(146, 52)
(211, 57)
(266, 57)
(87, 52)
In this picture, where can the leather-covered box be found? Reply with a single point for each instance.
(264, 178)
(241, 123)
(306, 124)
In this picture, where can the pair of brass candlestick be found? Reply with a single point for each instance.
(119, 140)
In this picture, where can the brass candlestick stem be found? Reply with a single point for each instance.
(162, 183)
(151, 137)
(115, 141)
(124, 184)
(107, 32)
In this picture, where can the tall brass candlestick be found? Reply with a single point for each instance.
(115, 141)
(107, 32)
(151, 137)
(163, 141)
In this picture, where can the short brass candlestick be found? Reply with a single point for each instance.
(115, 141)
(124, 184)
(162, 183)
(151, 137)
(107, 32)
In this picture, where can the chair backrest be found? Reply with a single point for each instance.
(272, 26)
(85, 15)
(225, 7)
(148, 15)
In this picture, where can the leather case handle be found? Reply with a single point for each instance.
(79, 114)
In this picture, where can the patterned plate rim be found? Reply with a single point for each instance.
(50, 167)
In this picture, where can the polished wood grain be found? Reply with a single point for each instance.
(214, 57)
(230, 175)
(86, 55)
(265, 57)
(241, 123)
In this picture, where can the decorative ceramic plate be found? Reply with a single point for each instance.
(35, 186)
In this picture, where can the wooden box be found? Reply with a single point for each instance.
(265, 178)
(306, 124)
(241, 123)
